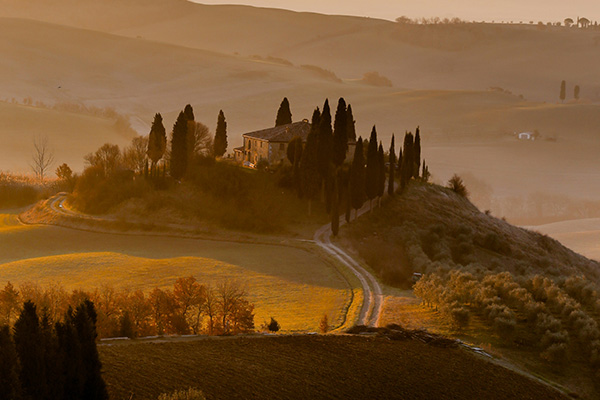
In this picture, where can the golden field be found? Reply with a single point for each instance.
(291, 284)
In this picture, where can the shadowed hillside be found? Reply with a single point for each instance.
(310, 367)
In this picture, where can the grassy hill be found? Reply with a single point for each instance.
(521, 293)
(324, 367)
(453, 57)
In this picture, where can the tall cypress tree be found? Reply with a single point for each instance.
(357, 177)
(340, 134)
(563, 91)
(417, 153)
(350, 125)
(29, 343)
(157, 142)
(335, 206)
(72, 366)
(179, 152)
(284, 115)
(372, 171)
(381, 172)
(392, 170)
(325, 153)
(406, 169)
(9, 377)
(190, 136)
(220, 143)
(325, 141)
(84, 319)
(310, 178)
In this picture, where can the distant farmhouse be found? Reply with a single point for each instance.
(271, 144)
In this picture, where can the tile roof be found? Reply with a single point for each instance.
(283, 133)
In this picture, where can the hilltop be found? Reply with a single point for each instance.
(521, 293)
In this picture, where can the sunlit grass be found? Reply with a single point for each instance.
(9, 222)
(298, 306)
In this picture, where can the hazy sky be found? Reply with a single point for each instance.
(498, 10)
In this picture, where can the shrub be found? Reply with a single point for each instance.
(460, 317)
(556, 354)
(273, 325)
(324, 324)
(457, 185)
(188, 394)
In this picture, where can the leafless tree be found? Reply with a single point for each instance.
(42, 158)
(134, 156)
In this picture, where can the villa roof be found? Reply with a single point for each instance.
(283, 133)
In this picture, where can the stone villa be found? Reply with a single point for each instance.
(271, 144)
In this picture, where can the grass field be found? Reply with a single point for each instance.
(291, 284)
(310, 367)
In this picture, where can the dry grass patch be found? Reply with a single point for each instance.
(297, 306)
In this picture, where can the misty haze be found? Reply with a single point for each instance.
(318, 200)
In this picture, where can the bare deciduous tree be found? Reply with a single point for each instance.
(42, 158)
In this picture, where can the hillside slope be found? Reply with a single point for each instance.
(317, 367)
(517, 291)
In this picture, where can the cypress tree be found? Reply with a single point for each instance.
(406, 169)
(372, 171)
(294, 150)
(284, 115)
(340, 134)
(157, 142)
(190, 136)
(417, 153)
(335, 207)
(294, 155)
(179, 147)
(392, 170)
(563, 91)
(310, 179)
(72, 366)
(381, 173)
(325, 152)
(345, 195)
(189, 112)
(220, 143)
(357, 177)
(84, 319)
(576, 92)
(350, 125)
(399, 161)
(53, 359)
(29, 343)
(325, 141)
(9, 377)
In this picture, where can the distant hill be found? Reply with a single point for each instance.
(445, 56)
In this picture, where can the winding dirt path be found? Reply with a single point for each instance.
(372, 294)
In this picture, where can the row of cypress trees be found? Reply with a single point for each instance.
(183, 138)
(42, 361)
(321, 168)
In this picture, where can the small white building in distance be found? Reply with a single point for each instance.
(526, 136)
